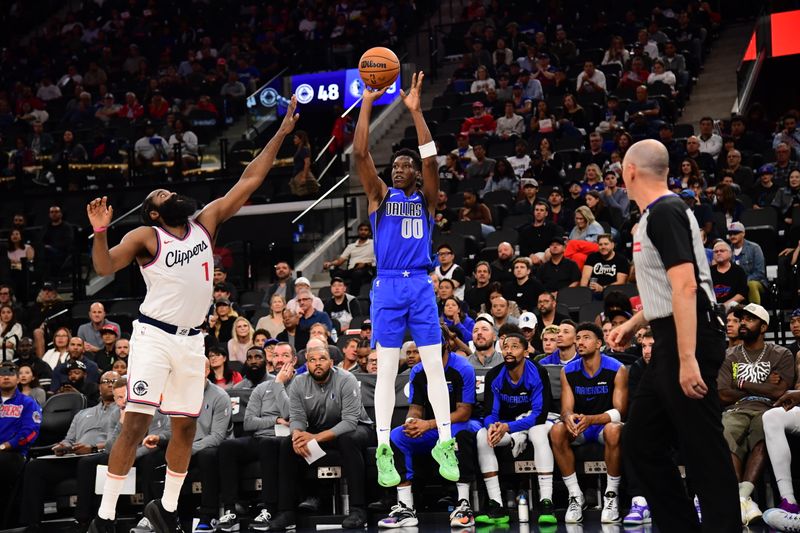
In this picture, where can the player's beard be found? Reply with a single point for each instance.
(322, 378)
(176, 210)
(511, 364)
(255, 374)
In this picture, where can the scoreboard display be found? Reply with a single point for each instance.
(322, 90)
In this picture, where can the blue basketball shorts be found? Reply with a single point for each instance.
(401, 301)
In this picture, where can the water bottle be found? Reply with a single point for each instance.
(522, 507)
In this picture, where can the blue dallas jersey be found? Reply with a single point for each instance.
(593, 394)
(402, 231)
(506, 401)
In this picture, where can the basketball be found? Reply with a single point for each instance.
(379, 67)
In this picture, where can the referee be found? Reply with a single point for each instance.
(676, 403)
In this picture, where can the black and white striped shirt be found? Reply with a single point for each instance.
(668, 235)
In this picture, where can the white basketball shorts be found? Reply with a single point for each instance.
(165, 372)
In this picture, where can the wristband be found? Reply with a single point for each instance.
(427, 150)
(101, 229)
(614, 415)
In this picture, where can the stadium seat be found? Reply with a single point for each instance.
(628, 289)
(57, 415)
(588, 312)
(575, 297)
(498, 197)
(502, 235)
(766, 216)
(517, 221)
(471, 228)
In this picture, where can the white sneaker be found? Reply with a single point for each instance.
(261, 522)
(462, 515)
(610, 514)
(520, 442)
(228, 522)
(750, 510)
(782, 520)
(574, 514)
(400, 516)
(697, 509)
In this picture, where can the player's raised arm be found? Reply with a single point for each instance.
(253, 176)
(430, 171)
(133, 245)
(373, 185)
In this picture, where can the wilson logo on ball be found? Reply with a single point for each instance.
(372, 64)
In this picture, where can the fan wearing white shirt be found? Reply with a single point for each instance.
(188, 142)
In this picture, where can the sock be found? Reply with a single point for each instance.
(612, 483)
(463, 491)
(546, 486)
(639, 500)
(438, 395)
(790, 498)
(111, 490)
(388, 359)
(405, 496)
(571, 481)
(745, 489)
(493, 488)
(173, 482)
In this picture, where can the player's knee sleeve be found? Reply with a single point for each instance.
(486, 457)
(542, 453)
(438, 395)
(388, 360)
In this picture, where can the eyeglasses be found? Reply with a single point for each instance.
(445, 253)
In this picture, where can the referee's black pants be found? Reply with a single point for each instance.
(661, 416)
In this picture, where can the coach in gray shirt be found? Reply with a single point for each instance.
(212, 428)
(87, 434)
(267, 407)
(325, 407)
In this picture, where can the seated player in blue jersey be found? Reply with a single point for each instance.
(565, 346)
(594, 397)
(402, 293)
(418, 436)
(516, 397)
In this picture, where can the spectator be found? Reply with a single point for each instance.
(91, 332)
(748, 389)
(151, 147)
(703, 160)
(475, 210)
(284, 284)
(520, 161)
(77, 352)
(241, 340)
(309, 315)
(788, 197)
(605, 267)
(220, 372)
(529, 189)
(616, 53)
(789, 134)
(78, 382)
(586, 228)
(106, 354)
(358, 258)
(661, 75)
(644, 113)
(190, 154)
(233, 88)
(87, 434)
(575, 121)
(267, 409)
(522, 104)
(647, 46)
(591, 80)
(502, 178)
(783, 164)
(454, 318)
(350, 356)
(480, 123)
(557, 272)
(591, 417)
(742, 175)
(482, 82)
(710, 142)
(675, 63)
(19, 428)
(450, 174)
(510, 125)
(614, 196)
(730, 281)
(303, 182)
(48, 91)
(525, 289)
(635, 76)
(59, 353)
(485, 354)
(463, 150)
(40, 142)
(222, 321)
(727, 203)
(478, 294)
(120, 366)
(750, 257)
(302, 283)
(29, 383)
(502, 266)
(559, 213)
(132, 109)
(107, 109)
(291, 334)
(339, 421)
(531, 87)
(10, 332)
(273, 321)
(342, 306)
(535, 238)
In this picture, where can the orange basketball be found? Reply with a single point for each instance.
(379, 67)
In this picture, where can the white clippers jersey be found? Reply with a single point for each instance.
(180, 278)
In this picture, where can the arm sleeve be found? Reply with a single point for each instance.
(297, 414)
(351, 407)
(668, 227)
(219, 425)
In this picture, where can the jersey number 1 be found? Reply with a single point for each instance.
(411, 228)
(205, 268)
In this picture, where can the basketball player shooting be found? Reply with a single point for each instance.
(167, 361)
(402, 292)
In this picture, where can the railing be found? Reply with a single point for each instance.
(748, 70)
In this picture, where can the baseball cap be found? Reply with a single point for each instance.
(271, 342)
(8, 368)
(766, 169)
(529, 182)
(477, 104)
(220, 268)
(221, 287)
(366, 324)
(688, 193)
(48, 286)
(560, 239)
(76, 365)
(557, 190)
(757, 311)
(736, 227)
(222, 301)
(301, 281)
(486, 317)
(109, 95)
(517, 86)
(795, 313)
(113, 328)
(527, 320)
